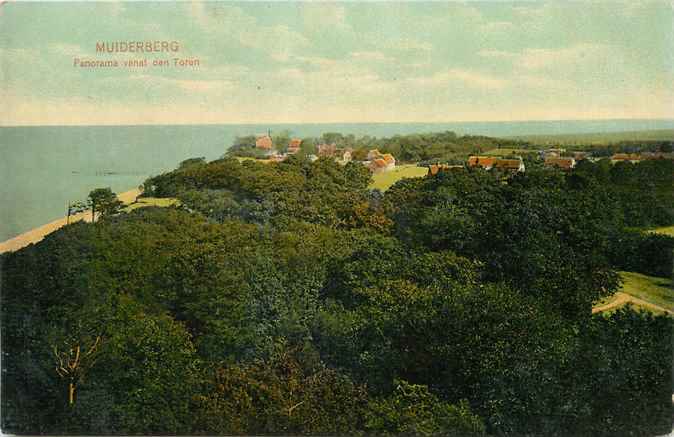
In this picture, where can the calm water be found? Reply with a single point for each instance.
(42, 168)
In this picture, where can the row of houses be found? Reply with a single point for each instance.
(509, 165)
(265, 143)
(637, 157)
(341, 154)
(552, 158)
(569, 162)
(562, 153)
(564, 163)
(515, 165)
(376, 161)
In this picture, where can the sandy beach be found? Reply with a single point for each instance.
(37, 234)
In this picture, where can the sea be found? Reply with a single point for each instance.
(43, 168)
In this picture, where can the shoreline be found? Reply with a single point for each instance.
(37, 234)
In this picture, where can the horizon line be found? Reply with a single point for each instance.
(541, 120)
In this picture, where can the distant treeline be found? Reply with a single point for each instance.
(288, 298)
(600, 138)
(443, 146)
(631, 147)
(440, 146)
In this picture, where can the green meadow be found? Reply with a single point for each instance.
(650, 293)
(651, 289)
(600, 138)
(383, 181)
(507, 151)
(666, 230)
(142, 202)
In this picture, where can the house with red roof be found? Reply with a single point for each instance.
(485, 162)
(294, 146)
(378, 162)
(377, 165)
(626, 157)
(514, 165)
(565, 164)
(327, 149)
(263, 142)
(434, 169)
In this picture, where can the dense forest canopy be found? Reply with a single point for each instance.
(288, 298)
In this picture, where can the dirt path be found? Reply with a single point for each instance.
(624, 298)
(37, 234)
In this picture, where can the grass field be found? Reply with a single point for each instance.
(667, 230)
(248, 158)
(599, 138)
(652, 289)
(641, 291)
(151, 201)
(506, 152)
(386, 179)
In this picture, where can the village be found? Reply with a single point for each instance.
(504, 161)
(376, 161)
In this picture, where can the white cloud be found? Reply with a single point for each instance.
(476, 79)
(409, 44)
(280, 56)
(466, 12)
(189, 85)
(632, 8)
(530, 12)
(471, 78)
(202, 86)
(116, 8)
(417, 65)
(497, 26)
(340, 79)
(215, 16)
(371, 56)
(545, 83)
(232, 23)
(275, 39)
(152, 28)
(534, 59)
(225, 71)
(496, 54)
(10, 72)
(326, 16)
(317, 61)
(544, 58)
(73, 50)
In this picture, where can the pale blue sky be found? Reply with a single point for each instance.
(340, 62)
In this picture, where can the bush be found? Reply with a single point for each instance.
(280, 395)
(647, 253)
(620, 377)
(413, 410)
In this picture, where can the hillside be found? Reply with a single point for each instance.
(650, 293)
(244, 298)
(384, 180)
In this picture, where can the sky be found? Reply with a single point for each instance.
(320, 62)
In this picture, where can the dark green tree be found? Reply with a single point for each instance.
(104, 202)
